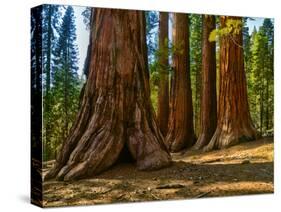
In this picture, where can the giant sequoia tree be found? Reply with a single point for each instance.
(234, 121)
(208, 110)
(163, 92)
(116, 111)
(180, 128)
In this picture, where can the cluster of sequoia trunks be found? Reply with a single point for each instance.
(116, 113)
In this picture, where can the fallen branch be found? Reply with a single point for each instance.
(202, 195)
(106, 191)
(154, 196)
(120, 196)
(170, 186)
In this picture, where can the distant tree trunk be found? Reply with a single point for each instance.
(267, 104)
(88, 56)
(36, 105)
(48, 62)
(208, 117)
(234, 120)
(163, 92)
(66, 91)
(196, 105)
(180, 129)
(47, 106)
(116, 110)
(65, 102)
(261, 109)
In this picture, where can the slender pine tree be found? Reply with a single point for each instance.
(66, 83)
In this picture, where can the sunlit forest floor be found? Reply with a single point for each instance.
(243, 169)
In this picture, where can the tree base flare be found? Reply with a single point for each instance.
(222, 139)
(201, 142)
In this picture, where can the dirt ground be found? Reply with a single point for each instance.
(243, 169)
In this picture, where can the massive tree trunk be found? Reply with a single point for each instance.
(208, 110)
(116, 111)
(180, 128)
(163, 92)
(234, 120)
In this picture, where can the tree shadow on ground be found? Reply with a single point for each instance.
(215, 174)
(182, 170)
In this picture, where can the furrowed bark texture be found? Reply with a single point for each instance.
(180, 133)
(234, 120)
(163, 93)
(116, 111)
(208, 110)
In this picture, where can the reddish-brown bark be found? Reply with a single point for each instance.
(208, 110)
(116, 111)
(180, 128)
(234, 120)
(163, 92)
